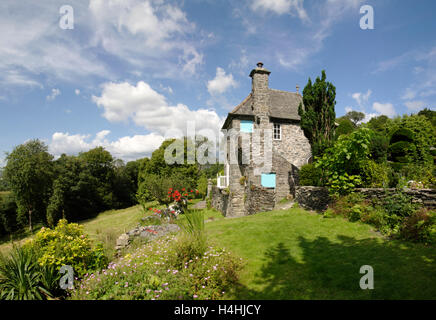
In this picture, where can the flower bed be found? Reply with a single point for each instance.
(156, 272)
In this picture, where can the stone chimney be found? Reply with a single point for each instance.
(260, 93)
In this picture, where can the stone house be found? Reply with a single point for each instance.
(248, 186)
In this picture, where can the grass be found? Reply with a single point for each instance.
(295, 254)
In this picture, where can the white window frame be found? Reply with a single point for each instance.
(277, 131)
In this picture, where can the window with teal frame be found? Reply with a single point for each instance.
(268, 180)
(246, 126)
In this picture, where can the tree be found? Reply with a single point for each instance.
(318, 113)
(355, 116)
(380, 124)
(345, 126)
(75, 192)
(343, 163)
(29, 172)
(158, 166)
(99, 164)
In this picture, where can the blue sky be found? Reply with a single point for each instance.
(131, 72)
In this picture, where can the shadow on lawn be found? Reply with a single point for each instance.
(330, 270)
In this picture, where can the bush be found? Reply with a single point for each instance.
(402, 134)
(22, 278)
(376, 175)
(310, 175)
(420, 226)
(67, 245)
(192, 243)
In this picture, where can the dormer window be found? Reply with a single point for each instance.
(277, 134)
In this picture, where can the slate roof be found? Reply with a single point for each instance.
(282, 105)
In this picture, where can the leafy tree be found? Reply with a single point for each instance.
(99, 164)
(343, 163)
(75, 192)
(3, 183)
(318, 113)
(379, 124)
(345, 126)
(156, 168)
(429, 114)
(355, 116)
(29, 171)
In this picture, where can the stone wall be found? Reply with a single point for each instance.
(425, 197)
(258, 199)
(317, 198)
(312, 198)
(219, 200)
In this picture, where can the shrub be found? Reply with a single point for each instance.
(419, 226)
(67, 244)
(22, 278)
(310, 175)
(402, 134)
(192, 243)
(376, 175)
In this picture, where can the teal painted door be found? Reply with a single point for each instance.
(268, 180)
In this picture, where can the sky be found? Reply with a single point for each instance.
(126, 74)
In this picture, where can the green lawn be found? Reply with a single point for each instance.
(294, 254)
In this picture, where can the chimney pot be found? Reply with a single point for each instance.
(260, 64)
(298, 88)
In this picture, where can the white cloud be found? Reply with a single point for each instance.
(77, 92)
(126, 148)
(147, 108)
(384, 108)
(361, 98)
(294, 7)
(147, 33)
(221, 83)
(415, 105)
(54, 93)
(409, 94)
(152, 34)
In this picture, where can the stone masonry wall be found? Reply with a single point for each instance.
(258, 199)
(425, 197)
(312, 198)
(219, 199)
(317, 198)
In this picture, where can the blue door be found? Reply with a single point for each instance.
(268, 180)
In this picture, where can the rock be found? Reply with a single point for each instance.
(148, 232)
(123, 240)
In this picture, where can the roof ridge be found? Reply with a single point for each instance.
(283, 91)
